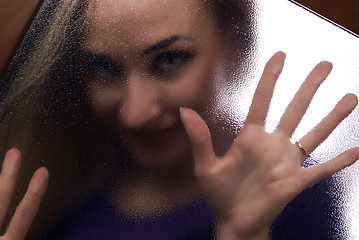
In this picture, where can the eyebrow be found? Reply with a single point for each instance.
(165, 43)
(94, 57)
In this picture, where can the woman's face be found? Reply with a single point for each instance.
(144, 60)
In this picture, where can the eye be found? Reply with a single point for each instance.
(100, 68)
(170, 62)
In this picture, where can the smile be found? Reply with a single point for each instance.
(154, 137)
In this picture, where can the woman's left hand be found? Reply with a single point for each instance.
(262, 172)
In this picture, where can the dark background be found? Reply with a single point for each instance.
(343, 12)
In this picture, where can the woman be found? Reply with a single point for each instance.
(136, 65)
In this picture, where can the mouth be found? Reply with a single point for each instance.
(154, 137)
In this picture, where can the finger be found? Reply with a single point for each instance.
(27, 209)
(314, 174)
(9, 172)
(199, 137)
(318, 134)
(264, 92)
(298, 106)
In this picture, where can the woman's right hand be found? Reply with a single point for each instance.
(28, 207)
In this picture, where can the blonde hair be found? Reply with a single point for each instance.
(21, 117)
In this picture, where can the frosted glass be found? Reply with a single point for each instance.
(327, 210)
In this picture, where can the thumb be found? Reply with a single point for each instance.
(199, 137)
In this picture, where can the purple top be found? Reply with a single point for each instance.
(99, 220)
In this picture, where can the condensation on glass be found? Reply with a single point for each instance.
(68, 82)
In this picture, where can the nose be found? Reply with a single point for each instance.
(141, 101)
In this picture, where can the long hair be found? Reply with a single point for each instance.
(45, 113)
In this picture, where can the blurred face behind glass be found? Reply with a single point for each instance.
(144, 60)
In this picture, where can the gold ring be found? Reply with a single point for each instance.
(304, 151)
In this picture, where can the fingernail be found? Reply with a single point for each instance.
(353, 101)
(325, 66)
(279, 58)
(39, 181)
(10, 160)
(281, 55)
(181, 108)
